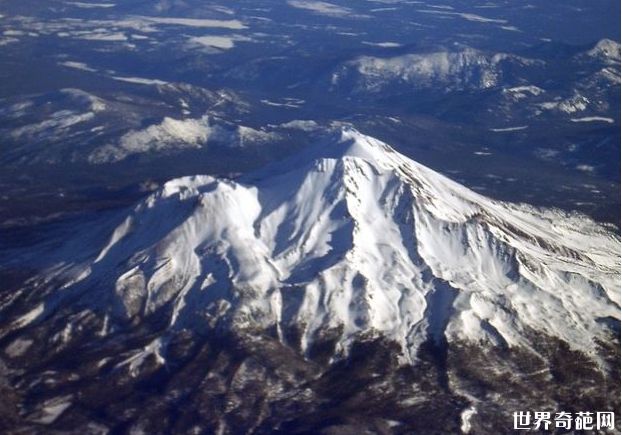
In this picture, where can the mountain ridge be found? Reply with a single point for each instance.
(351, 236)
(347, 285)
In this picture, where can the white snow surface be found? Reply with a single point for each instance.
(507, 129)
(594, 119)
(466, 16)
(77, 65)
(320, 7)
(172, 133)
(468, 68)
(194, 22)
(574, 104)
(140, 80)
(52, 409)
(353, 235)
(607, 50)
(86, 5)
(220, 42)
(521, 92)
(465, 419)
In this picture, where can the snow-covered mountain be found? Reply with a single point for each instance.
(178, 134)
(349, 241)
(607, 51)
(447, 70)
(76, 126)
(355, 236)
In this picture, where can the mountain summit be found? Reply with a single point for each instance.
(355, 237)
(347, 242)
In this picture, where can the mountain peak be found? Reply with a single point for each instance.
(345, 142)
(356, 144)
(352, 236)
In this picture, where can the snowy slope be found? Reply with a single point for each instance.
(177, 134)
(607, 51)
(353, 237)
(448, 70)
